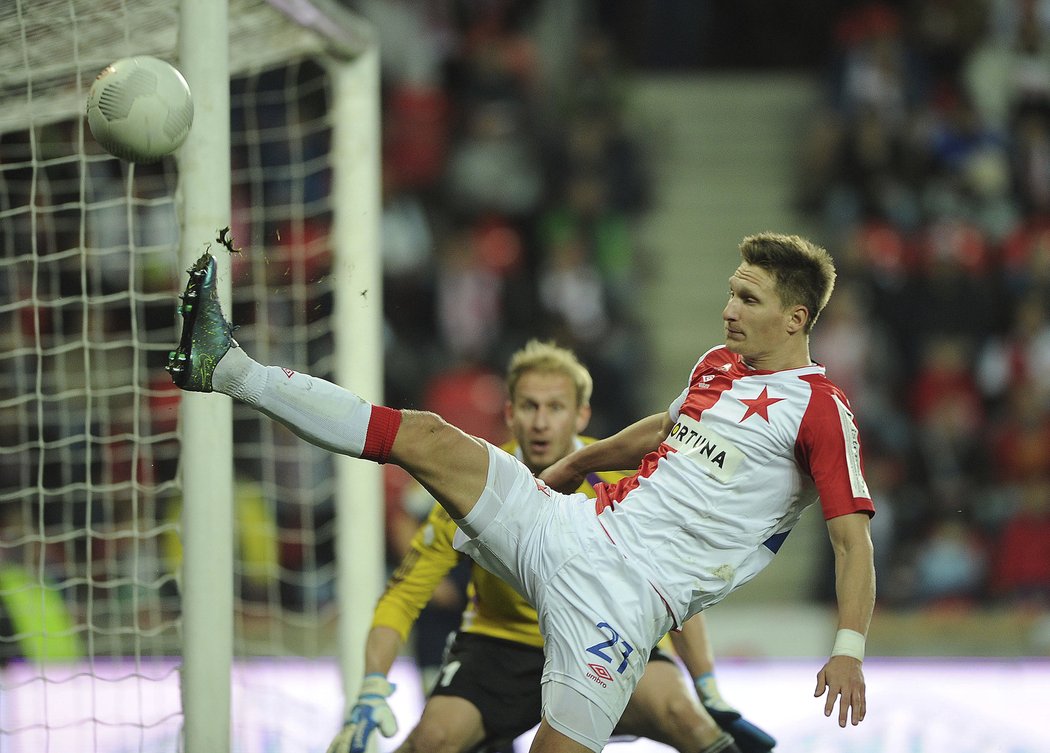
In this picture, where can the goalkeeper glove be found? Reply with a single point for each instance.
(370, 711)
(749, 738)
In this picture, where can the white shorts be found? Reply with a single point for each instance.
(598, 617)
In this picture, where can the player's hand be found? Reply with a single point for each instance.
(843, 679)
(748, 737)
(562, 477)
(370, 711)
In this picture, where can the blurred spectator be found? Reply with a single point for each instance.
(408, 242)
(945, 31)
(953, 273)
(951, 564)
(1031, 163)
(875, 164)
(601, 233)
(1020, 439)
(1019, 361)
(469, 293)
(572, 291)
(968, 156)
(494, 166)
(415, 36)
(1010, 68)
(35, 621)
(1026, 259)
(853, 343)
(596, 81)
(497, 60)
(946, 405)
(875, 70)
(1020, 568)
(416, 135)
(929, 162)
(594, 145)
(408, 255)
(263, 546)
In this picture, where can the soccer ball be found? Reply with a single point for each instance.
(140, 109)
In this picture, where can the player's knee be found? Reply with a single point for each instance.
(426, 428)
(683, 718)
(432, 738)
(420, 434)
(420, 421)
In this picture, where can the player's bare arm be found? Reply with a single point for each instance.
(381, 649)
(693, 646)
(843, 677)
(625, 449)
(370, 711)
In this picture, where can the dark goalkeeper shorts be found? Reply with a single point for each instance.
(502, 679)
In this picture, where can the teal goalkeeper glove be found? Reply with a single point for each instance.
(370, 711)
(749, 738)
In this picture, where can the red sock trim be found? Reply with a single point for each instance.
(382, 428)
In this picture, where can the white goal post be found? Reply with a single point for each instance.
(101, 489)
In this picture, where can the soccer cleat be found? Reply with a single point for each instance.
(206, 335)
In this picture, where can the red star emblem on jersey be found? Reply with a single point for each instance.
(760, 405)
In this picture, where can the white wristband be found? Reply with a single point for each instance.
(849, 643)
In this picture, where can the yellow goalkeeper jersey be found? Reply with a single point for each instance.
(493, 608)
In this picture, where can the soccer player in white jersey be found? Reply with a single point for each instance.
(489, 690)
(724, 473)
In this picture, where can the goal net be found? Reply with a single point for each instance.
(91, 638)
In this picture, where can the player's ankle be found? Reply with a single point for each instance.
(724, 744)
(238, 376)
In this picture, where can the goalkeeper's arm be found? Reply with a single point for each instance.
(693, 646)
(370, 710)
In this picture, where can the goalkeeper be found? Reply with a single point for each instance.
(488, 690)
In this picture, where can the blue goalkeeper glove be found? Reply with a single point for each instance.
(749, 738)
(370, 711)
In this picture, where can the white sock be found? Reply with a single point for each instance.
(320, 412)
(240, 377)
(724, 744)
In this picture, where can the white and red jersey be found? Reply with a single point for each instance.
(749, 451)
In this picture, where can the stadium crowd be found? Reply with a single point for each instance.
(511, 189)
(927, 169)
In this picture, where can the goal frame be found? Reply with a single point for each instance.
(352, 59)
(188, 607)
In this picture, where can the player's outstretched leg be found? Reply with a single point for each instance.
(444, 459)
(209, 359)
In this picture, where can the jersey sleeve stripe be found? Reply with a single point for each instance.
(851, 437)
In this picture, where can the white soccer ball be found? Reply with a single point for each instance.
(140, 109)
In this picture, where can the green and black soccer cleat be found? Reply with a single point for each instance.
(206, 335)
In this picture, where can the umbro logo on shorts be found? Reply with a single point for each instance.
(599, 675)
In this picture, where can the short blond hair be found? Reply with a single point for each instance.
(803, 272)
(548, 357)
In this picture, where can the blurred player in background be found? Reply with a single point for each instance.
(488, 689)
(758, 434)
